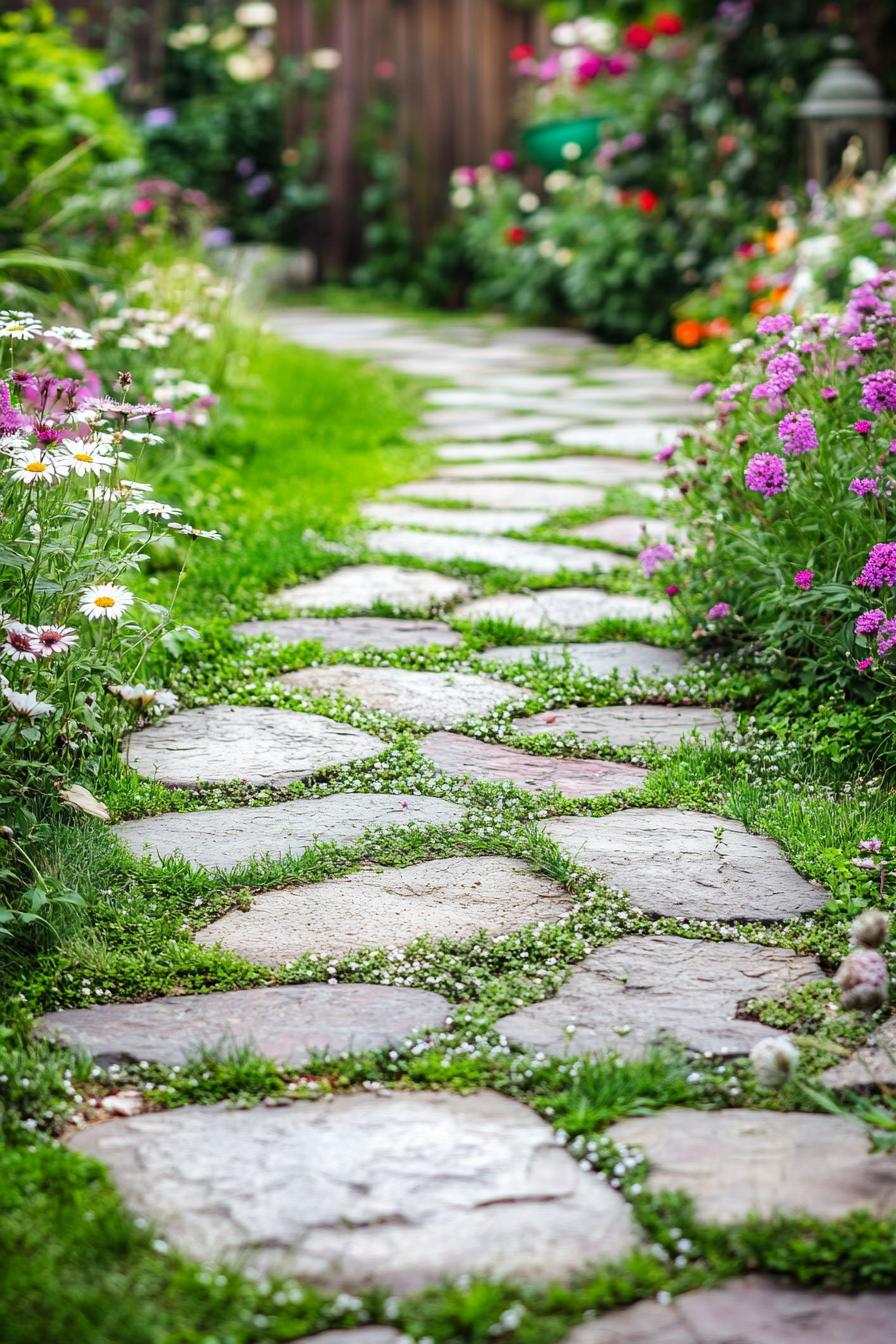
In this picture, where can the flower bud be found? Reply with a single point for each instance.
(774, 1060)
(869, 929)
(863, 980)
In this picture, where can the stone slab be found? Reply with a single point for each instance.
(690, 865)
(446, 898)
(623, 657)
(433, 699)
(258, 745)
(401, 1190)
(589, 470)
(360, 587)
(472, 759)
(231, 837)
(627, 996)
(637, 438)
(873, 1064)
(625, 530)
(508, 449)
(285, 1023)
(352, 632)
(562, 610)
(499, 494)
(630, 725)
(489, 426)
(739, 1162)
(752, 1310)
(532, 557)
(488, 522)
(362, 1334)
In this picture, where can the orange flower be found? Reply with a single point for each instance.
(717, 328)
(761, 306)
(688, 333)
(779, 294)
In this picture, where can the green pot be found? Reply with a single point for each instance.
(543, 143)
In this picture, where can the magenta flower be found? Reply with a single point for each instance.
(797, 433)
(782, 373)
(865, 341)
(886, 638)
(702, 391)
(503, 160)
(864, 485)
(879, 391)
(879, 570)
(869, 621)
(778, 324)
(829, 393)
(673, 590)
(653, 557)
(863, 664)
(871, 846)
(766, 473)
(718, 612)
(804, 578)
(665, 453)
(863, 426)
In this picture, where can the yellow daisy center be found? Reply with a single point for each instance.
(36, 466)
(104, 601)
(83, 457)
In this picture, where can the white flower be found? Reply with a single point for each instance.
(35, 466)
(528, 202)
(166, 700)
(774, 1060)
(140, 696)
(325, 58)
(104, 601)
(598, 34)
(19, 644)
(558, 180)
(16, 326)
(153, 508)
(25, 705)
(145, 437)
(462, 198)
(82, 799)
(256, 14)
(189, 531)
(546, 248)
(564, 35)
(571, 151)
(52, 639)
(84, 460)
(563, 256)
(74, 337)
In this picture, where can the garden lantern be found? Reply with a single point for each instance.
(844, 109)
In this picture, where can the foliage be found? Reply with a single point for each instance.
(388, 263)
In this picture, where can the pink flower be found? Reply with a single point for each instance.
(863, 426)
(665, 453)
(673, 590)
(863, 664)
(144, 205)
(503, 160)
(718, 612)
(869, 621)
(879, 570)
(872, 846)
(803, 578)
(653, 557)
(829, 393)
(766, 473)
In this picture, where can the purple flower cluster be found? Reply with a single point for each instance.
(863, 426)
(782, 373)
(879, 570)
(702, 391)
(864, 485)
(804, 578)
(766, 473)
(718, 612)
(777, 324)
(797, 433)
(652, 557)
(869, 621)
(10, 419)
(886, 638)
(865, 341)
(879, 391)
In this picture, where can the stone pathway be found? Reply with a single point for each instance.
(407, 1189)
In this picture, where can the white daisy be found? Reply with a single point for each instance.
(25, 705)
(140, 696)
(16, 326)
(153, 508)
(85, 460)
(52, 639)
(35, 467)
(19, 643)
(74, 337)
(104, 601)
(195, 532)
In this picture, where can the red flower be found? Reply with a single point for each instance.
(638, 36)
(667, 25)
(647, 202)
(515, 234)
(727, 144)
(524, 51)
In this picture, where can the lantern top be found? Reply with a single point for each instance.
(844, 88)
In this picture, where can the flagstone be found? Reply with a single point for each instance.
(636, 437)
(751, 1310)
(626, 530)
(630, 725)
(497, 494)
(562, 609)
(494, 452)
(352, 632)
(361, 1334)
(400, 1190)
(624, 657)
(689, 865)
(433, 699)
(585, 468)
(285, 1023)
(488, 426)
(628, 996)
(472, 759)
(232, 837)
(872, 1066)
(734, 1163)
(485, 521)
(533, 557)
(445, 898)
(359, 587)
(258, 745)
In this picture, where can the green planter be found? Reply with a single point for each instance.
(543, 143)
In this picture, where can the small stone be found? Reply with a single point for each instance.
(752, 1310)
(488, 426)
(601, 471)
(494, 452)
(634, 437)
(690, 865)
(488, 522)
(872, 1066)
(219, 743)
(399, 1190)
(433, 699)
(661, 986)
(446, 898)
(624, 530)
(630, 725)
(362, 1334)
(734, 1163)
(352, 632)
(230, 837)
(624, 657)
(360, 587)
(562, 610)
(471, 759)
(533, 557)
(127, 1102)
(285, 1023)
(497, 495)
